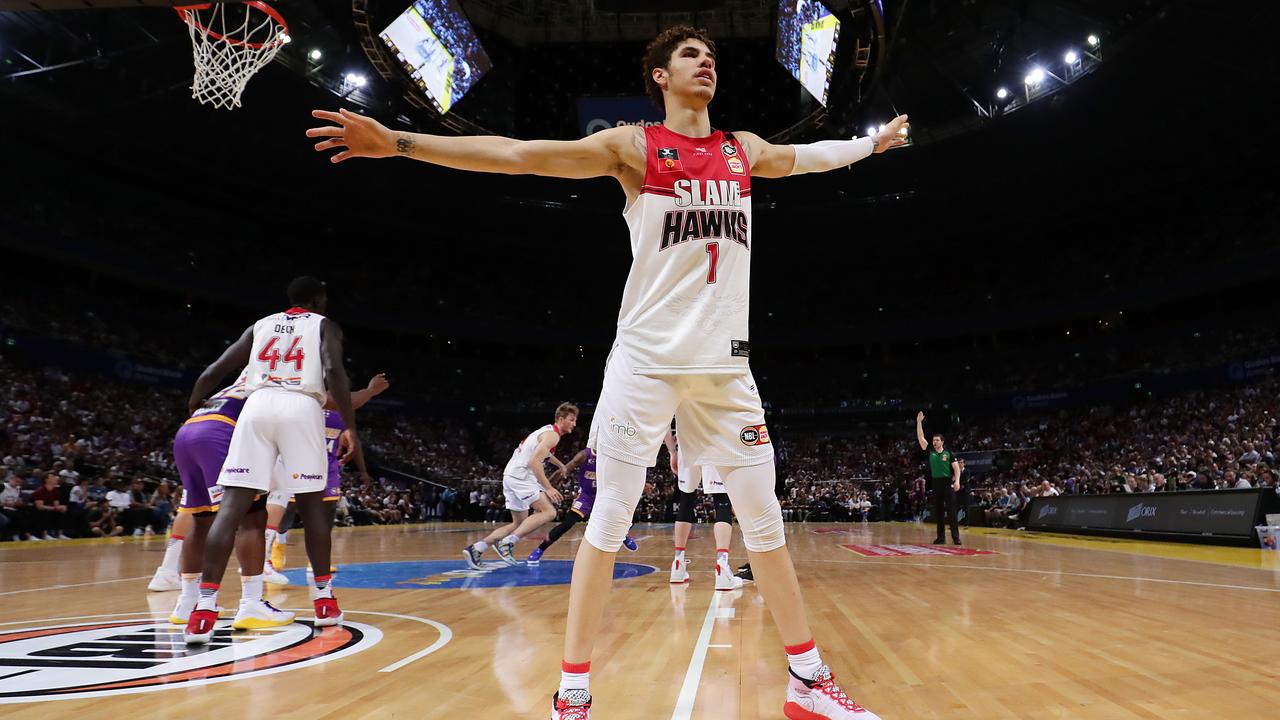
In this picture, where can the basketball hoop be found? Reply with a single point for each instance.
(229, 43)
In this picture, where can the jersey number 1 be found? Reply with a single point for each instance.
(271, 354)
(713, 259)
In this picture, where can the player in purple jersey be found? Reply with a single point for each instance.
(585, 463)
(199, 449)
(280, 505)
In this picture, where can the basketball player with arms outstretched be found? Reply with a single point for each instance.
(525, 485)
(292, 357)
(688, 478)
(682, 346)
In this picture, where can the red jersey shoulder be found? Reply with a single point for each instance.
(672, 157)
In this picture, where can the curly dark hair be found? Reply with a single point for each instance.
(658, 54)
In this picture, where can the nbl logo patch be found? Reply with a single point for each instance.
(669, 160)
(95, 659)
(731, 159)
(755, 435)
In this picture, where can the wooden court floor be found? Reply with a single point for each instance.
(1042, 627)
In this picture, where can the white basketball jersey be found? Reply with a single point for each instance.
(686, 303)
(286, 354)
(518, 465)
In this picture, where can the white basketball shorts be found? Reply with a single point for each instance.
(718, 416)
(519, 493)
(278, 425)
(690, 476)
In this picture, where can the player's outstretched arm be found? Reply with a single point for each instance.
(233, 358)
(597, 155)
(774, 161)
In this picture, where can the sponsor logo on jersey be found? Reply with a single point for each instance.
(622, 429)
(235, 470)
(735, 165)
(307, 476)
(754, 435)
(118, 657)
(740, 348)
(728, 149)
(669, 160)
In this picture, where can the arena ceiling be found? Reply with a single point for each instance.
(943, 59)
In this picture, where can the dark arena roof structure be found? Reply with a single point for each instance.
(1057, 229)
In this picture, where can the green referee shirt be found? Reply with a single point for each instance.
(940, 464)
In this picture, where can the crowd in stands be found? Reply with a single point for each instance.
(85, 456)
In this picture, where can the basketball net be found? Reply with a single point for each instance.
(230, 42)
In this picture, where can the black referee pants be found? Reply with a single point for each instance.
(944, 508)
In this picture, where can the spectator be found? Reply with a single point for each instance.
(49, 514)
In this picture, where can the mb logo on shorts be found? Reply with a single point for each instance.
(623, 429)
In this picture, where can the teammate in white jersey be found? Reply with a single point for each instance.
(688, 478)
(525, 485)
(682, 345)
(292, 357)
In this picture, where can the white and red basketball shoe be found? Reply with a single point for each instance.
(725, 579)
(679, 571)
(573, 705)
(822, 699)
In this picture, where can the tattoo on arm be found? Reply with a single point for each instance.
(405, 144)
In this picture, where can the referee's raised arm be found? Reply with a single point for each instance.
(924, 444)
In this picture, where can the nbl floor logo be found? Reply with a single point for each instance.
(95, 659)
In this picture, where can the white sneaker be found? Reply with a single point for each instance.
(575, 705)
(137, 533)
(679, 571)
(269, 575)
(258, 614)
(164, 580)
(63, 536)
(822, 699)
(725, 579)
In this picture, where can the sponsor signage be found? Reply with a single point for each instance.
(600, 113)
(1227, 513)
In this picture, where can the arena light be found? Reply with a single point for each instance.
(1071, 57)
(1035, 77)
(871, 131)
(316, 54)
(1002, 93)
(354, 79)
(1094, 40)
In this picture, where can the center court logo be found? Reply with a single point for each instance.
(1140, 511)
(104, 658)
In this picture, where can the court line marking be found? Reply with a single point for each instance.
(689, 691)
(946, 566)
(72, 585)
(446, 635)
(719, 646)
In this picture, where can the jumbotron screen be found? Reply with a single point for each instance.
(807, 37)
(437, 46)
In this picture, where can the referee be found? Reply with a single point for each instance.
(944, 474)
